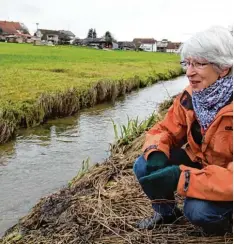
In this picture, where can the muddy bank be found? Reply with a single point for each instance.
(101, 205)
(61, 104)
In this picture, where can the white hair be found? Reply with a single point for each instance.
(214, 45)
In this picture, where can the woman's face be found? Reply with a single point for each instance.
(201, 74)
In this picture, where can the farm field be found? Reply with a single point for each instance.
(39, 82)
(27, 71)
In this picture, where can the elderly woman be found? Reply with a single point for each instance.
(191, 149)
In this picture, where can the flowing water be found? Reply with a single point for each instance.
(43, 159)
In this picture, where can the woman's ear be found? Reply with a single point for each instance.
(224, 72)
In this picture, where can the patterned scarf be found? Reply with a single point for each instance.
(209, 101)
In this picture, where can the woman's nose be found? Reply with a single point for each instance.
(190, 70)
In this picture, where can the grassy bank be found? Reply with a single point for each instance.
(102, 205)
(38, 83)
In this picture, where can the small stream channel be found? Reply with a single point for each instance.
(43, 159)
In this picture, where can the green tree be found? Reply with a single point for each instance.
(1, 31)
(90, 33)
(94, 33)
(24, 29)
(109, 37)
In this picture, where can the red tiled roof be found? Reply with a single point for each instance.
(10, 27)
(144, 40)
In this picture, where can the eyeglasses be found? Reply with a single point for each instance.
(195, 65)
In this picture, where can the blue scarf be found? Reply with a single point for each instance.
(209, 101)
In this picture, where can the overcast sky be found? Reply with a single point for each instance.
(126, 19)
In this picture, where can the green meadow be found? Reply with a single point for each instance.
(38, 82)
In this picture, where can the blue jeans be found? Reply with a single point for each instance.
(207, 214)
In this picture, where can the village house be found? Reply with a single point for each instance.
(54, 36)
(146, 44)
(77, 41)
(47, 35)
(173, 47)
(127, 45)
(99, 43)
(95, 42)
(168, 46)
(66, 36)
(14, 32)
(162, 45)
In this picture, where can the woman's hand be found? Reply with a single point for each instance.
(156, 160)
(162, 183)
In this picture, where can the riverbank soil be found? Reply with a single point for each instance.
(102, 206)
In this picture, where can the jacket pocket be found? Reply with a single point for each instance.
(223, 146)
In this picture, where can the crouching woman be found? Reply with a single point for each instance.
(191, 150)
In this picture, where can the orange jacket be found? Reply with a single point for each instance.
(214, 180)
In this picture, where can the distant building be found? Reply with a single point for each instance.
(94, 42)
(77, 41)
(162, 45)
(14, 32)
(98, 43)
(168, 46)
(173, 47)
(115, 45)
(127, 45)
(146, 44)
(48, 35)
(12, 28)
(54, 36)
(66, 36)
